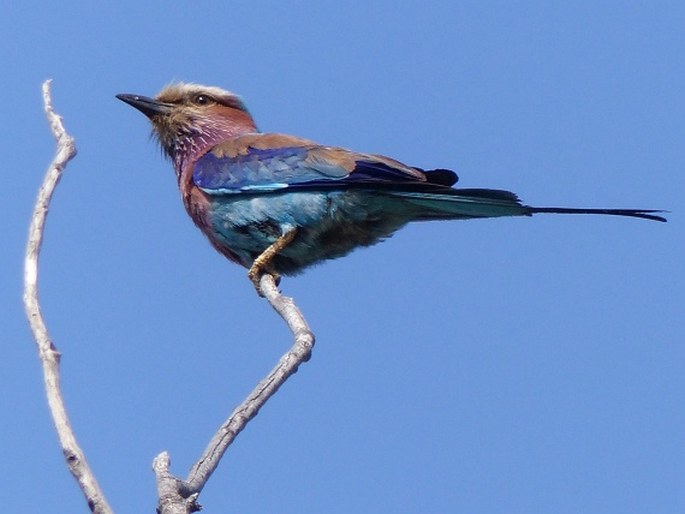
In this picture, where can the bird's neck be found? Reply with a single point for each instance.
(204, 135)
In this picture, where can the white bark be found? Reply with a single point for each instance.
(49, 355)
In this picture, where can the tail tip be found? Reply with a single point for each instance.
(647, 214)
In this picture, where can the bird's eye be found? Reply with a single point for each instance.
(202, 99)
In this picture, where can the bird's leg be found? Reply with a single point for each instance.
(262, 264)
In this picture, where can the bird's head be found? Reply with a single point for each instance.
(189, 119)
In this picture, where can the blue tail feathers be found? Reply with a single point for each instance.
(490, 203)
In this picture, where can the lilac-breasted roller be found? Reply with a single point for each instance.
(276, 203)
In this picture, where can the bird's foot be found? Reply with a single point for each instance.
(263, 263)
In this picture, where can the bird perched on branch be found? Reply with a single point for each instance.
(276, 203)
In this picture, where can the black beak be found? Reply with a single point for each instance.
(148, 106)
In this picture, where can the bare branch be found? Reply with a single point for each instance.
(49, 355)
(287, 365)
(228, 431)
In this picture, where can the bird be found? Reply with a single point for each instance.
(277, 204)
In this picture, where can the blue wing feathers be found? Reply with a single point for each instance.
(257, 169)
(311, 167)
(302, 166)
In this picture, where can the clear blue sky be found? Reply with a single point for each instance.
(513, 365)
